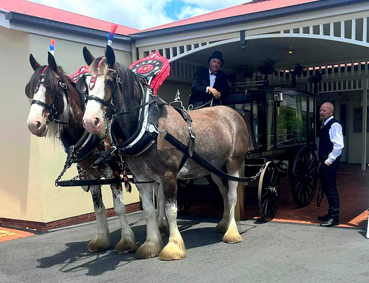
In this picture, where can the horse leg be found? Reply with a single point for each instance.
(153, 244)
(101, 241)
(232, 235)
(127, 242)
(175, 249)
(223, 224)
(162, 221)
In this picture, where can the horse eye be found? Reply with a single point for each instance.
(109, 82)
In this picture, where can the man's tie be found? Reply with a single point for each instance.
(214, 74)
(322, 126)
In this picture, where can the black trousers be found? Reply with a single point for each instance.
(328, 176)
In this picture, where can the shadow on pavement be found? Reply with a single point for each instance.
(196, 232)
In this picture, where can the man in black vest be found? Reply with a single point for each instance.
(329, 153)
(209, 83)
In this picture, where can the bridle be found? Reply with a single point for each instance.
(53, 112)
(110, 105)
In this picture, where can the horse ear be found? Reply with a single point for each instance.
(110, 56)
(52, 63)
(33, 62)
(88, 56)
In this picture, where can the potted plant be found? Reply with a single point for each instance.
(297, 71)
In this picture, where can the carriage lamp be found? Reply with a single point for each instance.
(278, 97)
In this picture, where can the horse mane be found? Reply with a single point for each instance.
(128, 78)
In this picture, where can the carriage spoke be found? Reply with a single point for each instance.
(266, 206)
(311, 186)
(305, 193)
(271, 177)
(311, 162)
(265, 194)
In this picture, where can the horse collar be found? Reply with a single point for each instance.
(146, 132)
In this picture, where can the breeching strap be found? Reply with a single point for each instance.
(200, 160)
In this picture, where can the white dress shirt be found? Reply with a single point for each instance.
(212, 81)
(336, 137)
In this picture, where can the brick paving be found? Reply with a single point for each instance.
(7, 234)
(353, 192)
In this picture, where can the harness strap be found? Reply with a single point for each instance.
(200, 160)
(191, 143)
(72, 183)
(41, 104)
(102, 101)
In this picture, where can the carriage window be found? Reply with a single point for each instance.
(291, 120)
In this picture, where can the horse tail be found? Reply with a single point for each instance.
(240, 205)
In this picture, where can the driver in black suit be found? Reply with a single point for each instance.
(209, 83)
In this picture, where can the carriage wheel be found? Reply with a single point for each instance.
(184, 195)
(304, 176)
(269, 191)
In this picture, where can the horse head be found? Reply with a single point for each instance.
(112, 88)
(47, 90)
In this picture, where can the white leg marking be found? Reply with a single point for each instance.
(223, 224)
(232, 235)
(175, 249)
(127, 242)
(153, 243)
(101, 241)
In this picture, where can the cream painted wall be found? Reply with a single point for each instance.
(14, 135)
(30, 165)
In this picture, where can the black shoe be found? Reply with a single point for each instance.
(330, 222)
(325, 217)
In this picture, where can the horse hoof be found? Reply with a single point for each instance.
(232, 238)
(149, 249)
(125, 246)
(172, 251)
(98, 245)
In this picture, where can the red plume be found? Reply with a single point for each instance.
(113, 29)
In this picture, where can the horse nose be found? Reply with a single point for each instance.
(92, 124)
(36, 127)
(96, 122)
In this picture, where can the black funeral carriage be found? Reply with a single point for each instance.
(282, 137)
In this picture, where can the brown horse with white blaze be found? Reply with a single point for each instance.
(221, 138)
(54, 96)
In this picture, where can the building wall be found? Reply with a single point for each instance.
(29, 165)
(355, 138)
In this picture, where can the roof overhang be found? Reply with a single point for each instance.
(54, 25)
(297, 9)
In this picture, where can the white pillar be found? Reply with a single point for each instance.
(365, 115)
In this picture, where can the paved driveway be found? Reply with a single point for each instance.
(270, 252)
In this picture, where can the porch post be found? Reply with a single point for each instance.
(365, 115)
